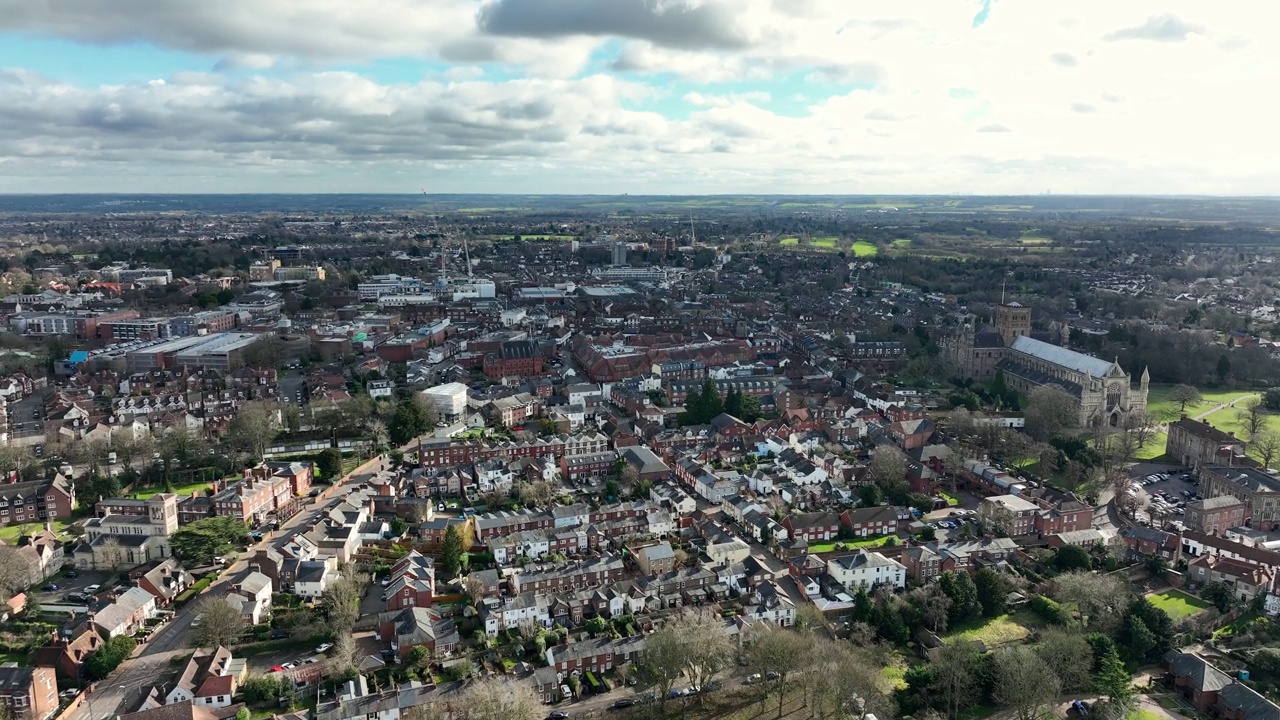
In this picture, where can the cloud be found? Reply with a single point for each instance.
(1083, 108)
(1064, 59)
(1158, 28)
(847, 74)
(994, 128)
(882, 115)
(668, 23)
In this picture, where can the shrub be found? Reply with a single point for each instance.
(109, 656)
(1052, 612)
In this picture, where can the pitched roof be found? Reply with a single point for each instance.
(1086, 364)
(184, 710)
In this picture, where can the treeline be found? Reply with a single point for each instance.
(1182, 357)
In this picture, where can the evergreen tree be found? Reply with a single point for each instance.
(692, 408)
(964, 596)
(712, 403)
(733, 402)
(863, 608)
(453, 556)
(408, 422)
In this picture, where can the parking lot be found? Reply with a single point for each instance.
(68, 586)
(26, 418)
(1170, 481)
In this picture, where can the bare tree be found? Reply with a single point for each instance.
(664, 660)
(779, 652)
(1022, 682)
(436, 710)
(340, 604)
(345, 655)
(841, 682)
(497, 698)
(888, 466)
(430, 412)
(15, 571)
(1265, 446)
(956, 668)
(1185, 395)
(1050, 412)
(1069, 656)
(708, 649)
(112, 553)
(1252, 417)
(472, 586)
(254, 428)
(1139, 423)
(933, 604)
(1100, 599)
(221, 625)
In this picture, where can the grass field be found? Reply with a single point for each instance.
(902, 242)
(825, 242)
(1153, 448)
(1177, 604)
(1161, 407)
(789, 242)
(187, 489)
(10, 533)
(1144, 715)
(1035, 240)
(1227, 419)
(546, 237)
(995, 631)
(862, 248)
(834, 545)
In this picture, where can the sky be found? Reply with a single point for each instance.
(640, 96)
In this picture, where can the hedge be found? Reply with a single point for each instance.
(1051, 611)
(196, 589)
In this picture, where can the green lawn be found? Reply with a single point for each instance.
(187, 489)
(995, 631)
(545, 237)
(835, 545)
(902, 242)
(1227, 419)
(1153, 448)
(1144, 715)
(1160, 406)
(1177, 604)
(789, 242)
(1035, 240)
(862, 248)
(826, 242)
(10, 533)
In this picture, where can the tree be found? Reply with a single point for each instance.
(497, 698)
(453, 556)
(200, 542)
(254, 428)
(1185, 395)
(221, 625)
(112, 553)
(1072, 557)
(430, 413)
(1223, 368)
(340, 604)
(1100, 599)
(708, 649)
(408, 422)
(955, 672)
(888, 466)
(1022, 682)
(15, 572)
(1218, 594)
(933, 604)
(993, 588)
(1252, 417)
(1265, 446)
(664, 660)
(108, 656)
(964, 596)
(775, 650)
(345, 655)
(329, 463)
(1069, 656)
(398, 526)
(1049, 412)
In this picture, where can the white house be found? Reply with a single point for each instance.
(127, 613)
(660, 523)
(528, 543)
(867, 569)
(255, 589)
(525, 607)
(314, 576)
(207, 680)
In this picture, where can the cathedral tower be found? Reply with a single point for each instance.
(1012, 320)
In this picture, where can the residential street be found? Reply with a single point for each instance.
(121, 692)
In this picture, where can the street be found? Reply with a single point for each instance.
(122, 691)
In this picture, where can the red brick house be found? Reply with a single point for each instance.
(406, 629)
(877, 520)
(912, 434)
(814, 527)
(1141, 540)
(595, 656)
(1212, 691)
(28, 693)
(514, 358)
(1216, 514)
(68, 648)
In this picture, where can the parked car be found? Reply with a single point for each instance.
(324, 648)
(50, 587)
(558, 715)
(622, 704)
(91, 589)
(752, 679)
(71, 574)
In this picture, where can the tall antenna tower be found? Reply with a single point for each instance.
(693, 236)
(444, 242)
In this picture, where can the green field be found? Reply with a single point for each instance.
(789, 242)
(187, 489)
(835, 545)
(1177, 604)
(995, 631)
(1144, 715)
(1159, 405)
(1153, 448)
(1228, 420)
(1035, 240)
(10, 533)
(546, 237)
(862, 248)
(902, 243)
(825, 242)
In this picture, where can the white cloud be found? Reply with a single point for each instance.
(1085, 96)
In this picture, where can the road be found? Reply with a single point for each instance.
(123, 690)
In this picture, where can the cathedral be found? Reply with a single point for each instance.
(1102, 390)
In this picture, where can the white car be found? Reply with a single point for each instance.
(92, 589)
(326, 647)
